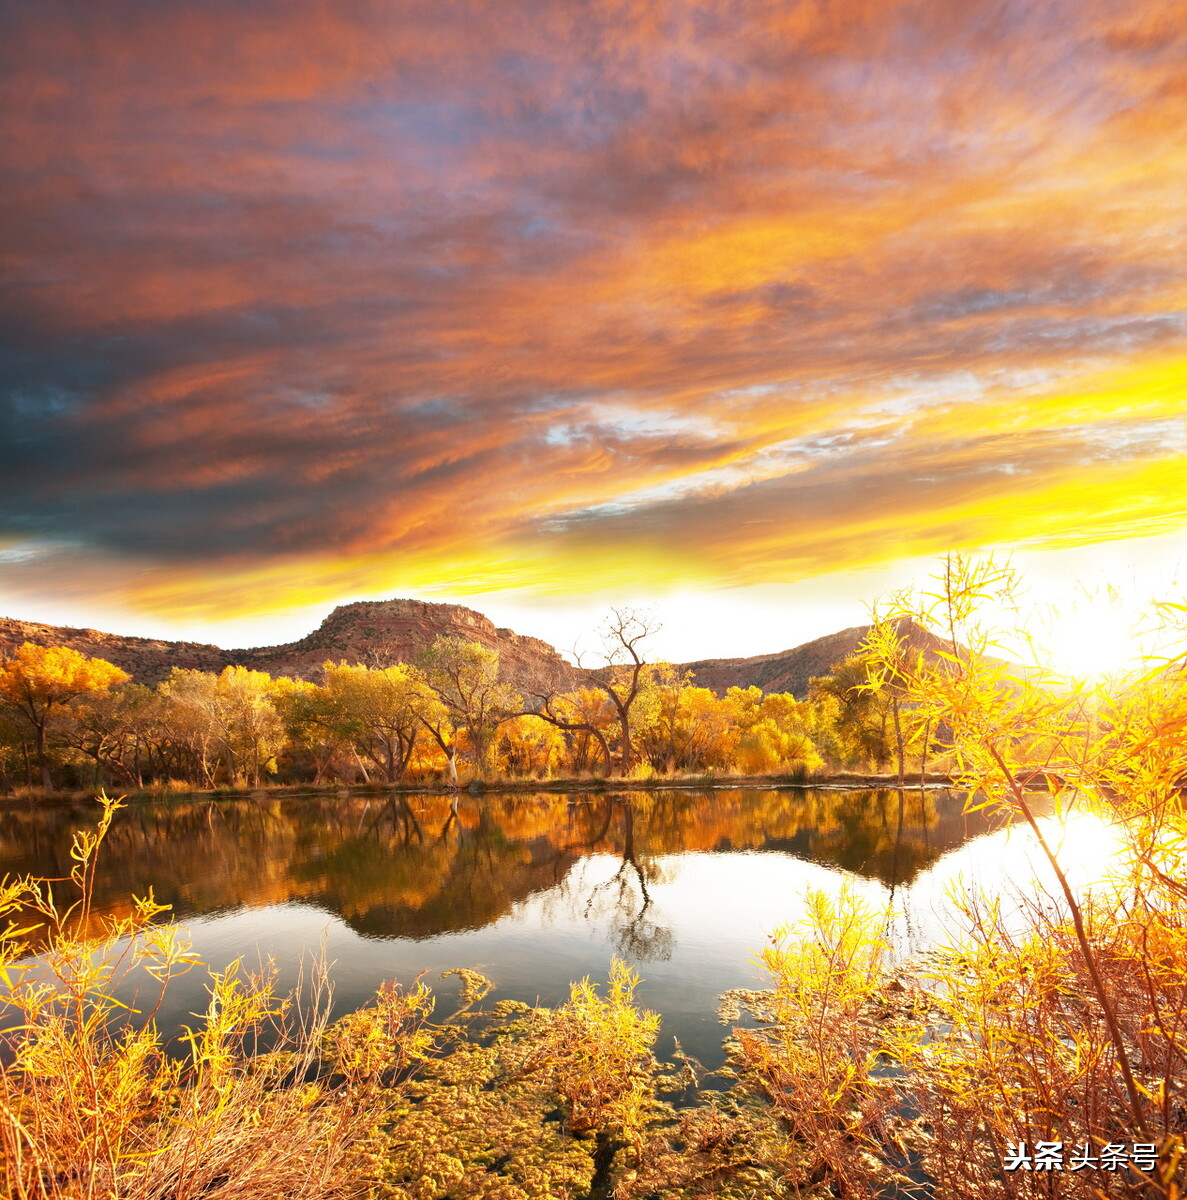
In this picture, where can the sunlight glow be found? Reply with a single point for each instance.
(999, 878)
(1088, 847)
(1092, 637)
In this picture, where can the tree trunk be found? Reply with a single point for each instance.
(898, 739)
(204, 767)
(605, 746)
(42, 762)
(628, 755)
(407, 749)
(923, 754)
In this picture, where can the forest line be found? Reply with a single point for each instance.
(72, 721)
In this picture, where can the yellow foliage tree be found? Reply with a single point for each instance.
(228, 717)
(684, 728)
(587, 717)
(383, 712)
(311, 723)
(529, 746)
(772, 732)
(38, 682)
(860, 711)
(465, 678)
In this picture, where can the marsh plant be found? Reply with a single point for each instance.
(94, 1103)
(265, 1096)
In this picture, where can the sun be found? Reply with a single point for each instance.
(1092, 637)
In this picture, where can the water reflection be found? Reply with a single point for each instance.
(634, 932)
(534, 890)
(421, 866)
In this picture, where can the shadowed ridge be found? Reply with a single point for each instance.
(791, 670)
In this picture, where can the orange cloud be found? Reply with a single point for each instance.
(310, 301)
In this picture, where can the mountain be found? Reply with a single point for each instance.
(387, 631)
(790, 670)
(147, 660)
(373, 632)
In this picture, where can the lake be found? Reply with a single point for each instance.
(534, 890)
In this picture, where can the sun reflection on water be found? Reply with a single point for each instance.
(1005, 878)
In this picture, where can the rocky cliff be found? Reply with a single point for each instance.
(380, 632)
(387, 631)
(376, 633)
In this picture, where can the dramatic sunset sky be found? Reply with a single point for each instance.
(745, 310)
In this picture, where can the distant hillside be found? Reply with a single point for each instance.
(386, 631)
(375, 632)
(147, 660)
(790, 670)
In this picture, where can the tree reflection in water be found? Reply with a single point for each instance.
(625, 897)
(417, 865)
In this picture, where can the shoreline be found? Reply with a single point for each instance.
(834, 781)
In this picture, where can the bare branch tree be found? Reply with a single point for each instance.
(465, 677)
(623, 676)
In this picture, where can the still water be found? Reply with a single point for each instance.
(532, 890)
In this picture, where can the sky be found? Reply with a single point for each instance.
(743, 311)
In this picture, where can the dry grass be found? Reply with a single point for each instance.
(92, 1104)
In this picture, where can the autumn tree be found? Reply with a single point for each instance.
(892, 665)
(585, 716)
(464, 676)
(38, 683)
(227, 719)
(14, 749)
(774, 731)
(118, 729)
(190, 715)
(862, 713)
(313, 723)
(656, 719)
(252, 730)
(680, 727)
(382, 711)
(1004, 728)
(528, 746)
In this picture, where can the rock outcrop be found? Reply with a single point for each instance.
(380, 632)
(372, 632)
